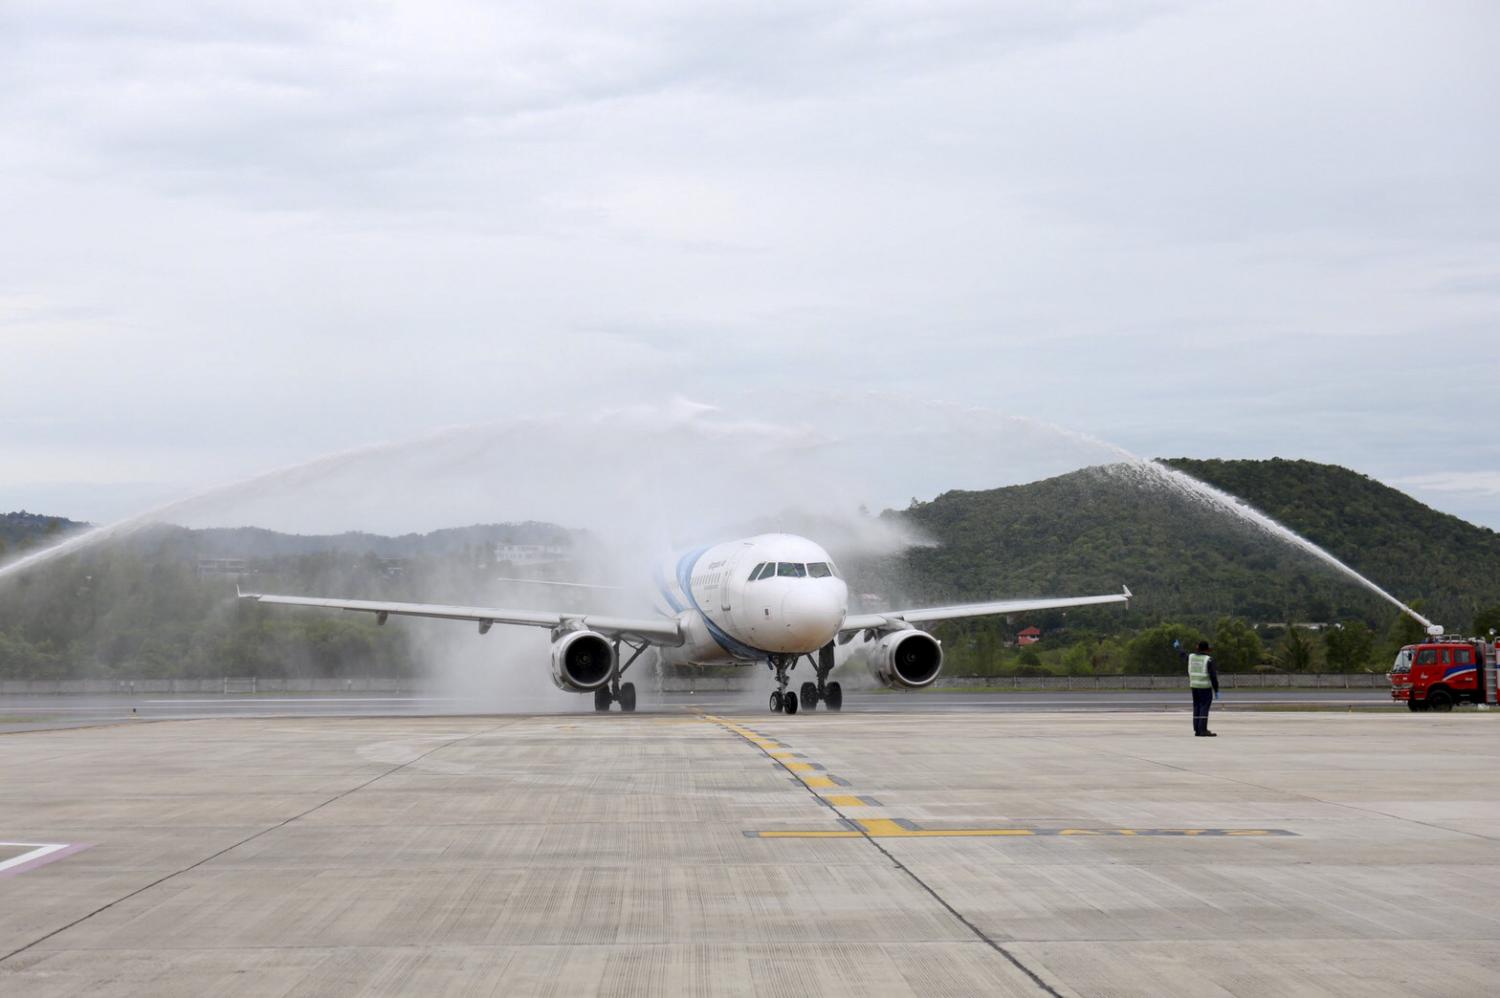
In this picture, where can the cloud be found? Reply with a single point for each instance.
(241, 234)
(1479, 483)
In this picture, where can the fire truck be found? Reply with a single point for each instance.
(1442, 672)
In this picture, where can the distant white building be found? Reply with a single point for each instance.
(529, 554)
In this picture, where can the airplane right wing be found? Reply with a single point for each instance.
(895, 620)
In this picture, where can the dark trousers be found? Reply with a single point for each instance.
(1202, 701)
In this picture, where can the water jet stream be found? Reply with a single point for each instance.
(781, 442)
(1187, 485)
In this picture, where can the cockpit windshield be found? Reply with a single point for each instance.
(1403, 661)
(794, 570)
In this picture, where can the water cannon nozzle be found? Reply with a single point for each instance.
(1435, 630)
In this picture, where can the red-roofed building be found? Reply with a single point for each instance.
(1030, 636)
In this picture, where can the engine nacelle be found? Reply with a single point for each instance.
(582, 661)
(908, 659)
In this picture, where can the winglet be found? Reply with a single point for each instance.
(1128, 594)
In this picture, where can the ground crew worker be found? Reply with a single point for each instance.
(1203, 677)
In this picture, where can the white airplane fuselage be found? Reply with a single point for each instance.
(733, 608)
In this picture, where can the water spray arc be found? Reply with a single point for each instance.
(956, 424)
(1189, 486)
(1186, 485)
(123, 527)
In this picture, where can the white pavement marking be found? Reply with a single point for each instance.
(39, 854)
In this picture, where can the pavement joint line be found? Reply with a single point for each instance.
(896, 828)
(979, 933)
(250, 838)
(1318, 800)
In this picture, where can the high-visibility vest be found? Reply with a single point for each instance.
(1198, 672)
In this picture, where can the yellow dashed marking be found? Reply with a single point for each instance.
(901, 828)
(802, 769)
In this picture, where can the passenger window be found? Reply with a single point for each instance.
(755, 572)
(1427, 656)
(791, 570)
(1463, 656)
(818, 569)
(1447, 656)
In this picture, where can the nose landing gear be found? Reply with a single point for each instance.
(784, 700)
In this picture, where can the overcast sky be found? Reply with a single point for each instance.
(235, 236)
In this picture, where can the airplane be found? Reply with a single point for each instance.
(772, 599)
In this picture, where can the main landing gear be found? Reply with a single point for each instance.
(784, 700)
(615, 691)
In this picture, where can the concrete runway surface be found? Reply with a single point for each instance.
(23, 712)
(977, 852)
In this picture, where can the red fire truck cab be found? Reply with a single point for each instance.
(1443, 672)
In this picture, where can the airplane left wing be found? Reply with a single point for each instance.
(660, 631)
(895, 620)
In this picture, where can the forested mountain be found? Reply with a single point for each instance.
(20, 531)
(161, 602)
(1096, 529)
(1408, 548)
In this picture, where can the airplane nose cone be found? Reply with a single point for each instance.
(811, 616)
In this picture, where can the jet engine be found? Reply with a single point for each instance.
(908, 659)
(582, 661)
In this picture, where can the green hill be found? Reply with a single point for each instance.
(1097, 529)
(22, 531)
(160, 602)
(156, 604)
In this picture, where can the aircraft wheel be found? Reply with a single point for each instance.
(627, 697)
(601, 699)
(834, 697)
(1440, 700)
(776, 702)
(789, 702)
(809, 695)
